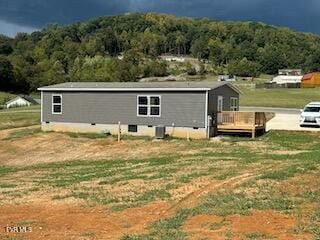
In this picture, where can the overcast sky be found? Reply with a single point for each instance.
(29, 15)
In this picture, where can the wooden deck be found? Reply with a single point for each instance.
(241, 122)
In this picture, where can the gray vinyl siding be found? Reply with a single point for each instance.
(224, 91)
(183, 109)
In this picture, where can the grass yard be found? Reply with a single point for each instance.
(69, 186)
(286, 98)
(11, 119)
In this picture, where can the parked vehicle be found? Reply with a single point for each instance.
(310, 115)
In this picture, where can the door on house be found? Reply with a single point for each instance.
(220, 108)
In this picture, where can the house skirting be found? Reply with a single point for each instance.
(180, 132)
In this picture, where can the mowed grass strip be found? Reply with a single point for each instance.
(285, 98)
(23, 133)
(10, 119)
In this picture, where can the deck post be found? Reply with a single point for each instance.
(254, 126)
(119, 132)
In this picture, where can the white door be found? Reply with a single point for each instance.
(220, 108)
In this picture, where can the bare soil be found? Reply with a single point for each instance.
(58, 147)
(71, 218)
(60, 220)
(269, 224)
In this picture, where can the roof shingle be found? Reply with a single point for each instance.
(134, 86)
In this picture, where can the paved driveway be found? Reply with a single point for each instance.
(285, 119)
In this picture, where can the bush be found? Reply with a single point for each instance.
(244, 68)
(156, 69)
(191, 70)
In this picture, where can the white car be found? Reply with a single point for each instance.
(310, 115)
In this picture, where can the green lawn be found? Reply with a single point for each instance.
(31, 108)
(286, 98)
(9, 119)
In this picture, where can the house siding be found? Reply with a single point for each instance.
(181, 109)
(224, 91)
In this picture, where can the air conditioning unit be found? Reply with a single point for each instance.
(160, 132)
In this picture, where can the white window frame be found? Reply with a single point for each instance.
(149, 106)
(56, 104)
(234, 104)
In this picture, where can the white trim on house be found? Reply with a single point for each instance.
(58, 104)
(206, 113)
(149, 106)
(41, 106)
(234, 103)
(124, 89)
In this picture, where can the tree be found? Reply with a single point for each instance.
(200, 49)
(6, 75)
(156, 69)
(244, 68)
(125, 72)
(181, 42)
(217, 51)
(5, 48)
(76, 70)
(314, 63)
(271, 59)
(89, 51)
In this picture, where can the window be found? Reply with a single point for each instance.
(234, 104)
(132, 128)
(149, 106)
(56, 104)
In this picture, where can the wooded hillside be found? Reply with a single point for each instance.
(88, 51)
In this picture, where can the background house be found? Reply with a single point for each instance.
(311, 80)
(283, 79)
(184, 108)
(20, 101)
(290, 72)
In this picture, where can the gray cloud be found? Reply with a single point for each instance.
(297, 14)
(10, 29)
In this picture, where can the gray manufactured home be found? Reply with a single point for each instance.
(184, 108)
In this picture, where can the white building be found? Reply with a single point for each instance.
(290, 72)
(282, 79)
(20, 101)
(175, 59)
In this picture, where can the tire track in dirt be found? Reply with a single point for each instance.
(193, 198)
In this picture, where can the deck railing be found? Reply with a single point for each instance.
(242, 118)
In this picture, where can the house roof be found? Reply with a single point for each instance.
(309, 76)
(137, 86)
(27, 98)
(30, 99)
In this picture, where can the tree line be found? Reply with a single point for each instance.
(90, 51)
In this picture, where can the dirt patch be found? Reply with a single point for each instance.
(55, 147)
(64, 221)
(194, 197)
(268, 224)
(287, 152)
(301, 184)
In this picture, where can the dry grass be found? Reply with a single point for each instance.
(161, 190)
